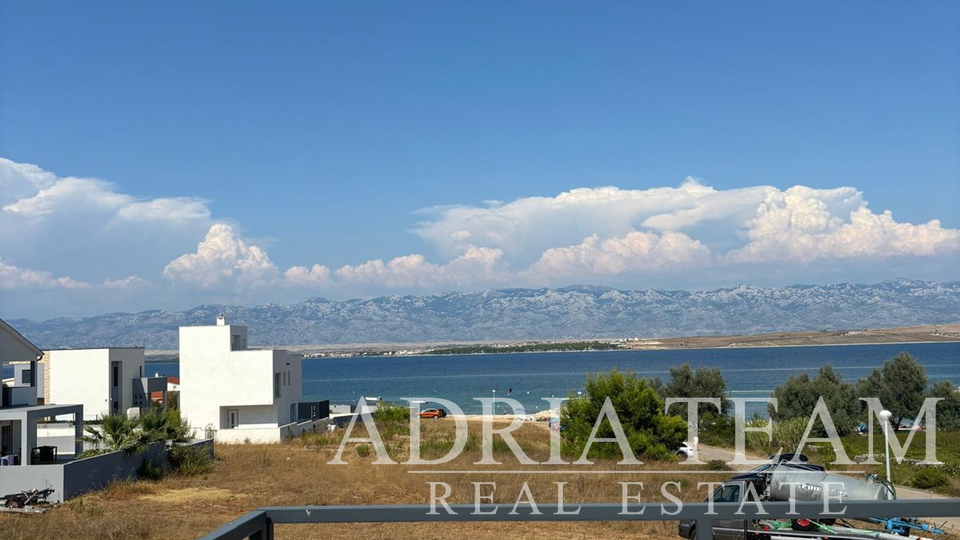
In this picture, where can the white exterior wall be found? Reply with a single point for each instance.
(84, 376)
(81, 376)
(291, 384)
(215, 378)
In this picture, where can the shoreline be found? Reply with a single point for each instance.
(904, 335)
(156, 359)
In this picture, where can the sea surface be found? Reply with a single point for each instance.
(528, 377)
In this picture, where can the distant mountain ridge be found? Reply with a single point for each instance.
(579, 312)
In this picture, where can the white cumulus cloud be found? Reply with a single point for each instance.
(70, 194)
(222, 256)
(634, 252)
(20, 180)
(15, 277)
(476, 265)
(89, 195)
(532, 225)
(86, 228)
(803, 224)
(317, 275)
(223, 259)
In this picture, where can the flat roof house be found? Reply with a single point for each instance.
(234, 393)
(49, 457)
(105, 381)
(20, 410)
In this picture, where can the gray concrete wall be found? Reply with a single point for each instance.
(96, 472)
(78, 477)
(14, 479)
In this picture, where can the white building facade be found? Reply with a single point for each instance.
(105, 381)
(234, 393)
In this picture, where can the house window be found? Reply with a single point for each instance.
(116, 376)
(276, 385)
(25, 376)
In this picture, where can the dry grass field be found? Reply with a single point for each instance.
(297, 473)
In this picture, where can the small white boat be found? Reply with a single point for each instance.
(372, 398)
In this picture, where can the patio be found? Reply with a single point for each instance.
(18, 432)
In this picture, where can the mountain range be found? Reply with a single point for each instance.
(578, 312)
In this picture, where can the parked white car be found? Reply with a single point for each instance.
(685, 450)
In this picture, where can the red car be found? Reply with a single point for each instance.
(433, 413)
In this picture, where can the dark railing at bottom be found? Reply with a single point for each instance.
(258, 525)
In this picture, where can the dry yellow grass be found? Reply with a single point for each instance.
(297, 473)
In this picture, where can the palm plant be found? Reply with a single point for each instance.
(164, 425)
(116, 433)
(119, 433)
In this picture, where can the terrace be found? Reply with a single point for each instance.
(19, 424)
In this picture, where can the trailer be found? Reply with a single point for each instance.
(28, 501)
(786, 481)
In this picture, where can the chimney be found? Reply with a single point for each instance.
(221, 320)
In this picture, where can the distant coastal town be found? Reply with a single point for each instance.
(912, 334)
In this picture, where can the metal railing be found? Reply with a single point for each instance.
(259, 524)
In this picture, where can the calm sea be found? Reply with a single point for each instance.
(752, 372)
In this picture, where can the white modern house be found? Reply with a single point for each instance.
(235, 393)
(105, 381)
(21, 410)
(37, 449)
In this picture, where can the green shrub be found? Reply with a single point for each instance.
(391, 413)
(363, 450)
(149, 471)
(190, 460)
(717, 465)
(929, 478)
(392, 421)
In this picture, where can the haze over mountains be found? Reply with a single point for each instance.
(580, 312)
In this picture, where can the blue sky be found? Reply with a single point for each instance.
(317, 132)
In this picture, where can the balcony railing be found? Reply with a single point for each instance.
(259, 524)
